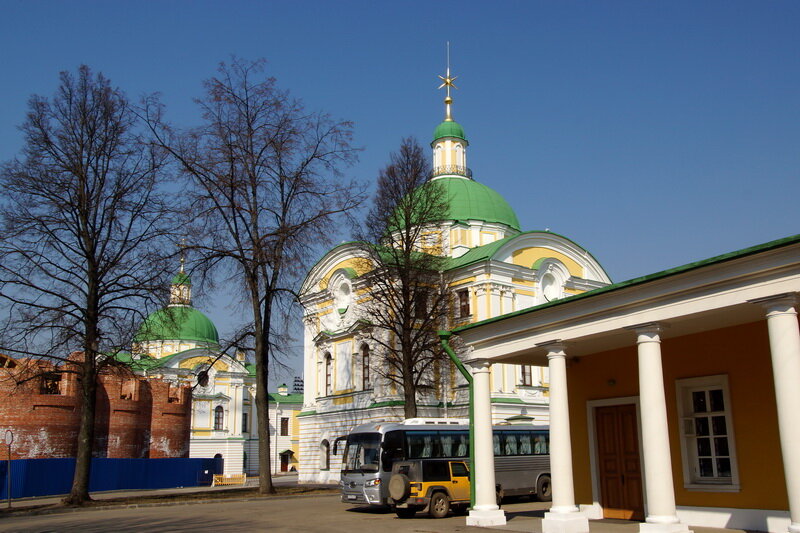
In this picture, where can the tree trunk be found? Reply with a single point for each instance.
(262, 400)
(409, 389)
(79, 493)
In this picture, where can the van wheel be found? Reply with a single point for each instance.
(407, 512)
(544, 491)
(439, 506)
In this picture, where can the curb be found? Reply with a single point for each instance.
(112, 506)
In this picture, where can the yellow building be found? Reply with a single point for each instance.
(494, 268)
(675, 397)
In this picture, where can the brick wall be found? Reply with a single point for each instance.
(135, 416)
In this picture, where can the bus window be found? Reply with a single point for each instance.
(541, 446)
(361, 453)
(496, 442)
(461, 444)
(423, 444)
(509, 443)
(447, 444)
(392, 449)
(525, 443)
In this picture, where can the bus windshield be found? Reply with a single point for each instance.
(362, 452)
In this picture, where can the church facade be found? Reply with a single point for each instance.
(493, 268)
(180, 345)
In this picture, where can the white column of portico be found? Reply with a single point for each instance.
(564, 516)
(486, 512)
(661, 513)
(784, 344)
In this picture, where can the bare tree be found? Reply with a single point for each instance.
(409, 300)
(266, 189)
(84, 230)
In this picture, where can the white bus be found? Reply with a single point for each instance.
(522, 455)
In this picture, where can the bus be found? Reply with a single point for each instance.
(522, 455)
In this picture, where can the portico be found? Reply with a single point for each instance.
(693, 356)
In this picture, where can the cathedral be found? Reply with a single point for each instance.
(180, 344)
(493, 268)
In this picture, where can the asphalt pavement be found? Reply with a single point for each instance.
(298, 513)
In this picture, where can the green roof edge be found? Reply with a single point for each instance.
(771, 245)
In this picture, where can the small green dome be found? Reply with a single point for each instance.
(449, 128)
(470, 200)
(178, 323)
(182, 278)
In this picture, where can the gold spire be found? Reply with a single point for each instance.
(182, 246)
(448, 82)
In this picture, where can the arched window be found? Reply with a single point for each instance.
(459, 155)
(219, 418)
(328, 376)
(325, 455)
(365, 384)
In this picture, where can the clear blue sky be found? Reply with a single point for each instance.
(651, 133)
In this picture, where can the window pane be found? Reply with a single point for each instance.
(706, 468)
(525, 447)
(703, 447)
(699, 401)
(718, 425)
(717, 403)
(724, 467)
(540, 444)
(701, 426)
(721, 446)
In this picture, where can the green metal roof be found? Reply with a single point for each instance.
(287, 398)
(470, 200)
(779, 243)
(449, 128)
(181, 278)
(487, 251)
(178, 323)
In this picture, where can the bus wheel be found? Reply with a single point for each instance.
(439, 506)
(544, 491)
(407, 512)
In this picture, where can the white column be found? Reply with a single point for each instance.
(661, 513)
(784, 345)
(486, 512)
(564, 516)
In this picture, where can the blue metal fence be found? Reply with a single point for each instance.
(44, 477)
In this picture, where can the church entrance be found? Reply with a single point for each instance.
(618, 462)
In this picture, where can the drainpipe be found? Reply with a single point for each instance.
(444, 337)
(277, 434)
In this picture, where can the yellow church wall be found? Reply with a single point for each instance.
(527, 257)
(193, 362)
(741, 353)
(359, 264)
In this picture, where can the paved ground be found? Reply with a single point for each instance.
(316, 513)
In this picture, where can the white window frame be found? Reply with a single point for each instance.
(684, 389)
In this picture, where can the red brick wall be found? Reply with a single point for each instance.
(135, 417)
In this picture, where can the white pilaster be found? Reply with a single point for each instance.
(784, 345)
(661, 512)
(564, 516)
(486, 512)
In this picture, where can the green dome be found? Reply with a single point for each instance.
(178, 323)
(449, 128)
(181, 278)
(470, 200)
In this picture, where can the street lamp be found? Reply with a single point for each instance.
(9, 438)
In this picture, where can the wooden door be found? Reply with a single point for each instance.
(285, 462)
(618, 461)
